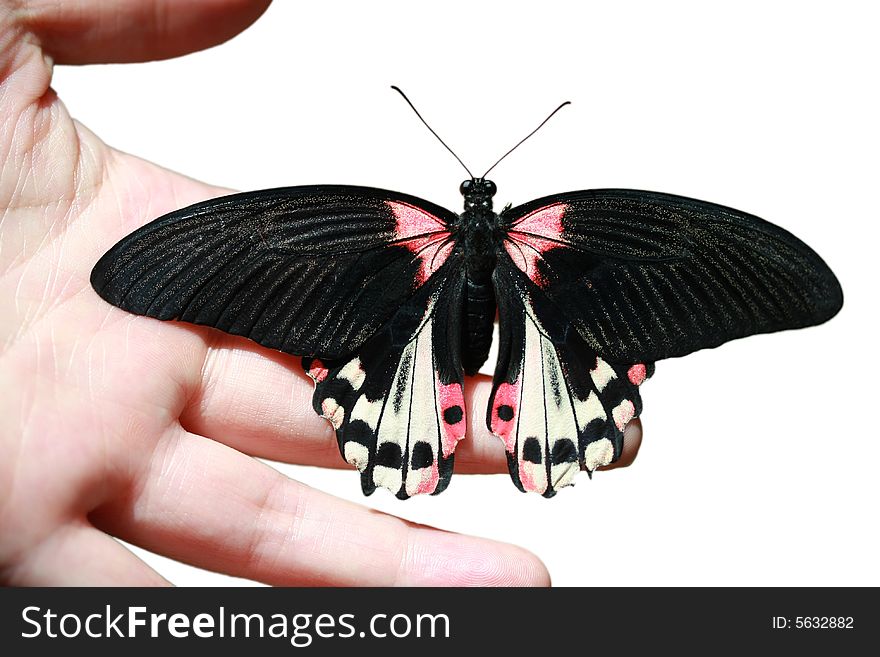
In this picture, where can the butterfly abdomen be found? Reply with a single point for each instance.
(479, 320)
(479, 311)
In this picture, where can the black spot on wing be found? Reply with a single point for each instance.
(389, 455)
(505, 412)
(564, 451)
(359, 431)
(532, 450)
(422, 455)
(453, 415)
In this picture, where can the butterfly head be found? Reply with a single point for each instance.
(478, 193)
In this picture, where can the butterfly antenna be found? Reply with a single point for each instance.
(519, 143)
(409, 102)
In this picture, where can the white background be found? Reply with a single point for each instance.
(760, 458)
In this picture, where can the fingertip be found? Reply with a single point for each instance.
(508, 566)
(632, 442)
(516, 566)
(535, 572)
(437, 558)
(95, 31)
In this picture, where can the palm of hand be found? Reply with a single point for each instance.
(104, 414)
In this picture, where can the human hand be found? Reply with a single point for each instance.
(117, 425)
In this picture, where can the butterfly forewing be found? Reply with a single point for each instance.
(306, 270)
(644, 276)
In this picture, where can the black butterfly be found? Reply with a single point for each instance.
(392, 299)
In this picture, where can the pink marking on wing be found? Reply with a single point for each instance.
(430, 476)
(432, 253)
(534, 235)
(317, 371)
(424, 235)
(623, 413)
(449, 396)
(527, 478)
(546, 222)
(506, 395)
(637, 374)
(413, 221)
(525, 252)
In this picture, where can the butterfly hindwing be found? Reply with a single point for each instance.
(398, 405)
(557, 406)
(644, 275)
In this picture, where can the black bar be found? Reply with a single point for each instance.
(514, 621)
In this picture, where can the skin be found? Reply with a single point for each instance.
(117, 425)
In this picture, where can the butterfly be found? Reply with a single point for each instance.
(391, 302)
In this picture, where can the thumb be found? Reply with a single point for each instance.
(106, 31)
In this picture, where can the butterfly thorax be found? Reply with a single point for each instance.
(478, 235)
(478, 229)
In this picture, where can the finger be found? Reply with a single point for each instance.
(102, 31)
(77, 554)
(203, 503)
(259, 401)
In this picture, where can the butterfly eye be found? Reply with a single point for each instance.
(465, 187)
(490, 188)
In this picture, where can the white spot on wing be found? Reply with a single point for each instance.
(623, 413)
(357, 455)
(389, 478)
(598, 453)
(563, 474)
(602, 374)
(367, 411)
(589, 410)
(331, 410)
(353, 373)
